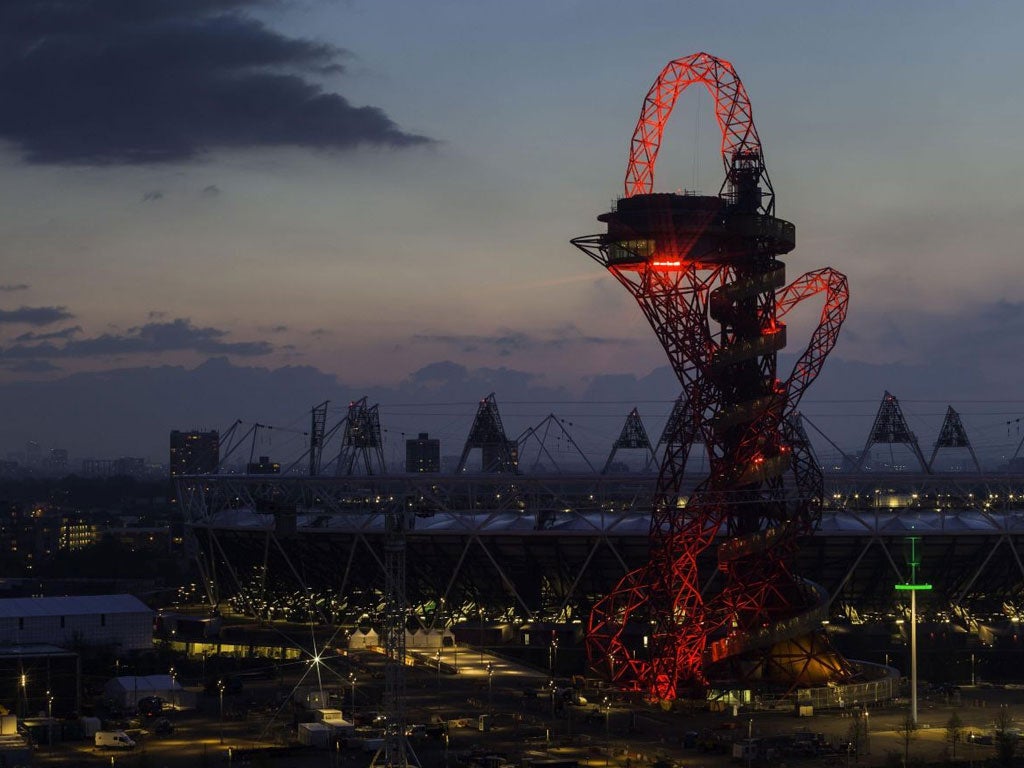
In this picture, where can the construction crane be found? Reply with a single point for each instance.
(395, 752)
(318, 424)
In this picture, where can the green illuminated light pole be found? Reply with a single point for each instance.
(913, 588)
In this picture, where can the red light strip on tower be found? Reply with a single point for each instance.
(732, 111)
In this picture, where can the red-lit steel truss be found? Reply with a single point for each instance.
(705, 271)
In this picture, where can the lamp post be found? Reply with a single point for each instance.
(490, 690)
(867, 731)
(438, 657)
(551, 685)
(220, 690)
(174, 697)
(49, 719)
(552, 652)
(913, 587)
(607, 711)
(352, 679)
(974, 679)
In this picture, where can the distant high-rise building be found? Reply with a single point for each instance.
(263, 467)
(33, 453)
(130, 466)
(194, 452)
(126, 466)
(423, 454)
(57, 461)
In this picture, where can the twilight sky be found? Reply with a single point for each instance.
(372, 187)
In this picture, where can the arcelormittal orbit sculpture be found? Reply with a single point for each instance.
(707, 275)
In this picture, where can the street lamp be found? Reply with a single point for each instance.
(352, 679)
(552, 686)
(480, 639)
(220, 689)
(174, 698)
(552, 652)
(867, 731)
(438, 667)
(913, 587)
(490, 674)
(49, 719)
(607, 711)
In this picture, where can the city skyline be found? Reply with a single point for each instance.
(413, 201)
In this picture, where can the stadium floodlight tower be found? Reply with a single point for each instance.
(691, 261)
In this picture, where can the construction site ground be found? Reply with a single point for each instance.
(524, 722)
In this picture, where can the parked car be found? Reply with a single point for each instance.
(150, 706)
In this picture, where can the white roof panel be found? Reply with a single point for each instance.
(76, 605)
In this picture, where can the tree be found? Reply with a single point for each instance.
(857, 733)
(954, 732)
(1005, 738)
(907, 730)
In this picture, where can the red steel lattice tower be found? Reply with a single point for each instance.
(706, 273)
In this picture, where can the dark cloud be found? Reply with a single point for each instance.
(153, 195)
(34, 315)
(570, 334)
(30, 366)
(453, 381)
(210, 190)
(12, 287)
(320, 332)
(989, 335)
(123, 81)
(506, 343)
(503, 343)
(440, 373)
(173, 336)
(64, 333)
(273, 329)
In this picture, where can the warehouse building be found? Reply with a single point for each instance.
(122, 622)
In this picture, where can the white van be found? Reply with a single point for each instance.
(114, 740)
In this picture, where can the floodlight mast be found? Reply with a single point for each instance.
(913, 587)
(689, 260)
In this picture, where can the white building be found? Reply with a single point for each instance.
(127, 690)
(121, 621)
